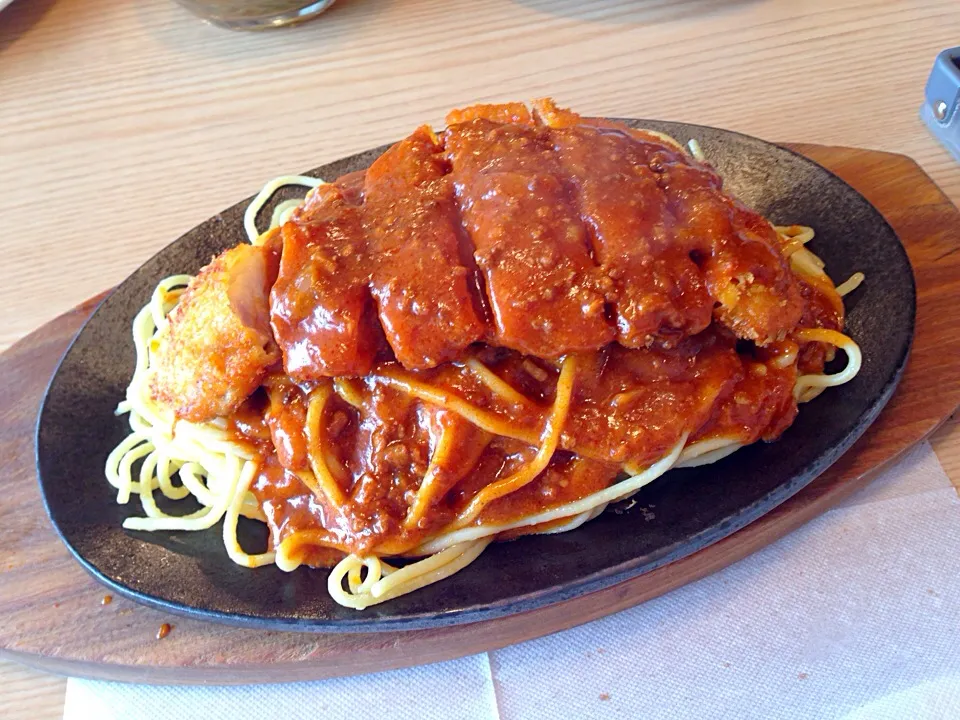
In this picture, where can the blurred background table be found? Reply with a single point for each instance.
(124, 124)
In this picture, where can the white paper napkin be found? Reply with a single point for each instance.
(854, 616)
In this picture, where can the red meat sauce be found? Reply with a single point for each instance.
(514, 240)
(628, 407)
(545, 240)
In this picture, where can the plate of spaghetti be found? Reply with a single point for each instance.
(488, 368)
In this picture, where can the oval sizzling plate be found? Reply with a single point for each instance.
(677, 515)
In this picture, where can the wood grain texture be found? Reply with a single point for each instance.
(125, 123)
(142, 122)
(53, 613)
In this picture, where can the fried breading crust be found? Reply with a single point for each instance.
(217, 345)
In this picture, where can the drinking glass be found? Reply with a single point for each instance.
(255, 14)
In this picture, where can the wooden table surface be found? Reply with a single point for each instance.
(124, 124)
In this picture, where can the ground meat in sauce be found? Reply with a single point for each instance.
(507, 242)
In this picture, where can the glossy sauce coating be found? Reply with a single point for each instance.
(632, 406)
(659, 294)
(746, 273)
(629, 406)
(822, 307)
(547, 296)
(424, 308)
(542, 239)
(321, 311)
(515, 112)
(422, 290)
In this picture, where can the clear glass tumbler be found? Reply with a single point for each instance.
(255, 14)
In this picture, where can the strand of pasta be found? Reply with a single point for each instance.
(148, 481)
(288, 551)
(348, 393)
(850, 284)
(705, 452)
(436, 568)
(283, 211)
(384, 582)
(615, 492)
(165, 447)
(316, 403)
(165, 467)
(718, 447)
(250, 215)
(663, 137)
(225, 476)
(809, 386)
(696, 151)
(572, 524)
(230, 541)
(119, 463)
(427, 571)
(549, 442)
(441, 397)
(497, 384)
(794, 236)
(428, 486)
(811, 266)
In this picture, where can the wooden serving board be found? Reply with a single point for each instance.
(51, 611)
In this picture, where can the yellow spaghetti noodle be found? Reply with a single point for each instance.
(209, 463)
(427, 492)
(444, 398)
(497, 384)
(268, 191)
(317, 401)
(551, 438)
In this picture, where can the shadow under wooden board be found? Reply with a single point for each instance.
(52, 612)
